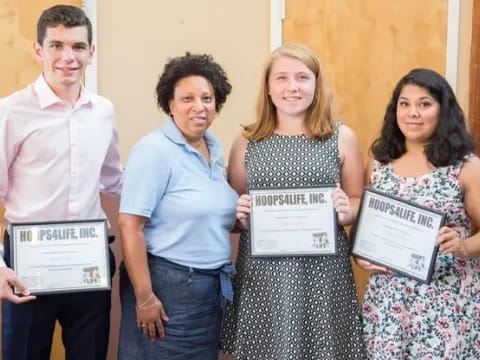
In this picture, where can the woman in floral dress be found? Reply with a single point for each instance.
(425, 155)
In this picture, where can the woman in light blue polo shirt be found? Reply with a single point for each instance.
(176, 214)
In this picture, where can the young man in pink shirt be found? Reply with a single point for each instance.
(59, 150)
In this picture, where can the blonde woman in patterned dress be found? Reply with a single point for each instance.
(425, 155)
(295, 307)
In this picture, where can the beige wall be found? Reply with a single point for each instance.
(136, 38)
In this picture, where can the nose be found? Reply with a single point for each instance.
(412, 111)
(292, 85)
(67, 54)
(198, 104)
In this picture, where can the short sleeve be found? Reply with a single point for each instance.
(145, 180)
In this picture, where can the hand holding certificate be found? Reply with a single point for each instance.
(61, 257)
(293, 221)
(397, 234)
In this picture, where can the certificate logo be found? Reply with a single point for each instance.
(417, 262)
(91, 275)
(320, 240)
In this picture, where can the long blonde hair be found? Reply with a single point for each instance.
(320, 120)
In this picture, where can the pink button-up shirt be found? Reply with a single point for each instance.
(54, 160)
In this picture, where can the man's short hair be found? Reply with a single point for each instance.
(66, 15)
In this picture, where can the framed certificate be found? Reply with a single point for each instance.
(397, 234)
(293, 221)
(61, 257)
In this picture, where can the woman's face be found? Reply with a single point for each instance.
(418, 114)
(291, 86)
(193, 106)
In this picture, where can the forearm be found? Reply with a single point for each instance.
(352, 216)
(2, 254)
(472, 246)
(135, 258)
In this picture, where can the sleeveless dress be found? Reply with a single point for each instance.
(293, 307)
(406, 319)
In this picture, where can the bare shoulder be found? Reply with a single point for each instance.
(369, 170)
(346, 133)
(470, 173)
(237, 172)
(348, 144)
(370, 163)
(240, 141)
(239, 146)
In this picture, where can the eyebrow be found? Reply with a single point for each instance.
(290, 72)
(422, 98)
(205, 93)
(61, 42)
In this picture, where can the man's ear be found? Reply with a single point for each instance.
(38, 50)
(91, 51)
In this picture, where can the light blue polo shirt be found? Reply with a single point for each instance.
(189, 205)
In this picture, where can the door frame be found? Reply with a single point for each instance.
(91, 74)
(474, 101)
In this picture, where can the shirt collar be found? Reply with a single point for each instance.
(46, 96)
(174, 134)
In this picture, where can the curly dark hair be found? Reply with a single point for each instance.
(66, 15)
(449, 143)
(190, 65)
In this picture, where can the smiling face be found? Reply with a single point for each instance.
(193, 106)
(418, 114)
(291, 87)
(65, 54)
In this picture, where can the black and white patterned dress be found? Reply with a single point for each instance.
(299, 308)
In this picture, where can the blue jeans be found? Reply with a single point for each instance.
(192, 300)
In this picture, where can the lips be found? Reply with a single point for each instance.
(67, 70)
(199, 118)
(413, 124)
(292, 98)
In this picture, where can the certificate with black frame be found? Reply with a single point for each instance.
(62, 256)
(297, 221)
(397, 234)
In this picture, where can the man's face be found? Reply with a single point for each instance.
(65, 54)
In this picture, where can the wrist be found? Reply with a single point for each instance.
(348, 220)
(142, 295)
(145, 300)
(238, 228)
(464, 251)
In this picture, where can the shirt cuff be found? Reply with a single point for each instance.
(2, 262)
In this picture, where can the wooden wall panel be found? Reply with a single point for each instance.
(365, 47)
(18, 67)
(18, 19)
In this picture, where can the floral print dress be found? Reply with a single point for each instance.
(406, 319)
